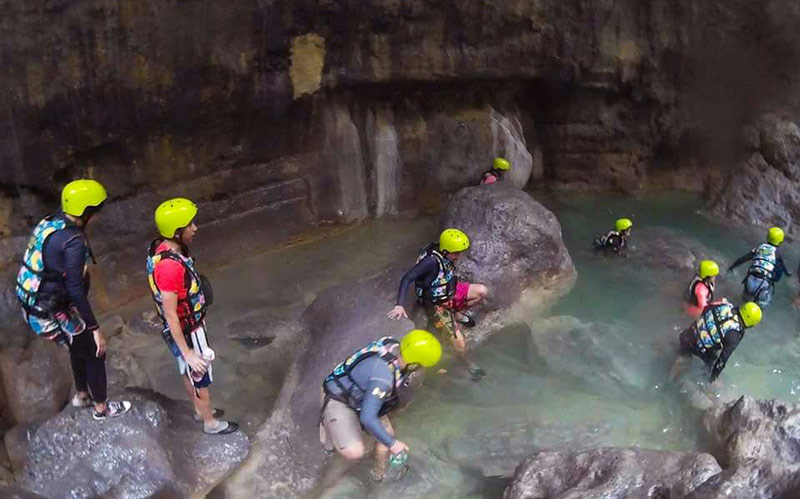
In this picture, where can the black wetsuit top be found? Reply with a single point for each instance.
(780, 265)
(422, 274)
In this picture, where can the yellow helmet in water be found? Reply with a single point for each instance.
(174, 214)
(453, 241)
(775, 236)
(623, 224)
(501, 164)
(421, 347)
(81, 194)
(751, 314)
(708, 268)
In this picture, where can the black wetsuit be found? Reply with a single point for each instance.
(690, 345)
(614, 241)
(422, 275)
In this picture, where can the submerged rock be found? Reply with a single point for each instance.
(155, 449)
(611, 473)
(667, 248)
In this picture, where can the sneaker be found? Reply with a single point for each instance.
(80, 402)
(222, 428)
(465, 319)
(218, 413)
(113, 409)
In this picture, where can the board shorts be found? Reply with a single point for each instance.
(58, 326)
(197, 340)
(340, 427)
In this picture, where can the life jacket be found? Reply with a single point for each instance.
(195, 302)
(443, 286)
(609, 241)
(354, 394)
(714, 323)
(33, 271)
(764, 261)
(690, 296)
(491, 173)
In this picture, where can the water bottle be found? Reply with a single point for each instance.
(397, 460)
(208, 355)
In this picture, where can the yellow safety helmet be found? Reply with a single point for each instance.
(501, 164)
(751, 314)
(81, 194)
(708, 268)
(174, 214)
(421, 347)
(775, 236)
(623, 224)
(453, 241)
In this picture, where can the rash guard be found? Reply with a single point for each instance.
(422, 274)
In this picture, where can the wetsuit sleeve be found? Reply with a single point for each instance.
(424, 271)
(729, 344)
(781, 270)
(742, 259)
(377, 390)
(701, 294)
(74, 263)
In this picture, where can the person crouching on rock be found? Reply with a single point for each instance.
(362, 391)
(499, 168)
(53, 287)
(182, 296)
(616, 241)
(445, 299)
(767, 269)
(714, 336)
(701, 290)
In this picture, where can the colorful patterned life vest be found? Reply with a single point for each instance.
(195, 301)
(690, 296)
(764, 261)
(354, 397)
(716, 322)
(443, 286)
(33, 271)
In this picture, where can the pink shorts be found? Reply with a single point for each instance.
(459, 301)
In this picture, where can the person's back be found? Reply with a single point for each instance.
(371, 371)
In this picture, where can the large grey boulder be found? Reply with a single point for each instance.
(155, 449)
(610, 473)
(666, 248)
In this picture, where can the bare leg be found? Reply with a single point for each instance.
(382, 453)
(201, 400)
(678, 367)
(476, 294)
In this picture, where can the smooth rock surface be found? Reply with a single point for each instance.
(668, 248)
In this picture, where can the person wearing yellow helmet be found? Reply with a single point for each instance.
(365, 388)
(766, 269)
(182, 296)
(615, 241)
(701, 290)
(499, 168)
(446, 299)
(53, 284)
(714, 335)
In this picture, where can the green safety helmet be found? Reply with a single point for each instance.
(81, 194)
(775, 236)
(174, 214)
(751, 314)
(453, 241)
(501, 164)
(708, 268)
(421, 347)
(623, 224)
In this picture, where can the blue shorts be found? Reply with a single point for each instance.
(197, 341)
(758, 289)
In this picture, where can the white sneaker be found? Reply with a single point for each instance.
(113, 409)
(78, 401)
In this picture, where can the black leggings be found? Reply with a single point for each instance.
(89, 371)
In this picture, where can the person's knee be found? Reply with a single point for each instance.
(353, 452)
(458, 343)
(481, 291)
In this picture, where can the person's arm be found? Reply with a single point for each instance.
(781, 269)
(370, 408)
(169, 301)
(729, 344)
(701, 294)
(744, 258)
(424, 271)
(74, 267)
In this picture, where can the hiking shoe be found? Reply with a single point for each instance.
(218, 413)
(113, 409)
(222, 428)
(80, 402)
(465, 319)
(475, 372)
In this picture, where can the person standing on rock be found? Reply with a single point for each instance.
(445, 299)
(53, 286)
(182, 296)
(714, 336)
(500, 167)
(767, 269)
(701, 290)
(616, 241)
(362, 391)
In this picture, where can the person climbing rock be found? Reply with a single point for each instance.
(767, 268)
(53, 287)
(182, 296)
(445, 299)
(616, 241)
(701, 290)
(714, 336)
(499, 168)
(363, 390)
